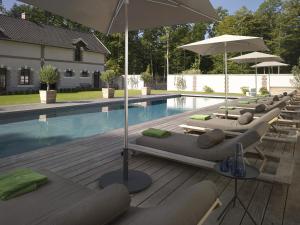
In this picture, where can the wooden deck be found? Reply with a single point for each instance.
(84, 161)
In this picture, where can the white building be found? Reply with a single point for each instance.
(26, 46)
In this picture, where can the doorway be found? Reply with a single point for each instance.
(97, 80)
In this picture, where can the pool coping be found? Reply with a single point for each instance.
(40, 109)
(16, 110)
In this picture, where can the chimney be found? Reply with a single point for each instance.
(23, 16)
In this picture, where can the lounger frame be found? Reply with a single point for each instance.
(283, 173)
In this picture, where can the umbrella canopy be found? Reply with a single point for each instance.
(107, 16)
(234, 43)
(269, 64)
(255, 57)
(224, 44)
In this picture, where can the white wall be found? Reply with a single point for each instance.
(236, 81)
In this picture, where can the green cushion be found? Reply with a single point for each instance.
(157, 133)
(228, 107)
(200, 117)
(244, 102)
(19, 181)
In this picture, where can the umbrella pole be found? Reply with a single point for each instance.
(226, 80)
(135, 181)
(255, 78)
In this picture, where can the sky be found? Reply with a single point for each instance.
(231, 5)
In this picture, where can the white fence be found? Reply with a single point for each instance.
(236, 81)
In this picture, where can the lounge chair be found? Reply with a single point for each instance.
(276, 133)
(62, 202)
(184, 148)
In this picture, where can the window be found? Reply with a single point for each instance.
(77, 54)
(85, 73)
(3, 72)
(69, 73)
(25, 76)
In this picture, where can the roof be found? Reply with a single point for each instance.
(29, 32)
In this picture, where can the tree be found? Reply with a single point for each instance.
(296, 73)
(108, 76)
(48, 75)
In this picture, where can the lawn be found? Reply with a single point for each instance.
(83, 95)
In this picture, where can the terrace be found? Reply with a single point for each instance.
(84, 161)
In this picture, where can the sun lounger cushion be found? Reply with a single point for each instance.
(211, 138)
(187, 207)
(20, 181)
(187, 145)
(246, 118)
(228, 107)
(157, 133)
(99, 208)
(244, 102)
(200, 117)
(233, 125)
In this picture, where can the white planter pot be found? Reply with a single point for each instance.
(48, 96)
(146, 91)
(108, 92)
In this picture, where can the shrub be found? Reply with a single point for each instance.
(191, 71)
(244, 90)
(180, 83)
(207, 89)
(108, 76)
(146, 77)
(48, 75)
(296, 73)
(264, 91)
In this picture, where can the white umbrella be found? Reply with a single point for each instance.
(225, 44)
(255, 57)
(270, 65)
(109, 16)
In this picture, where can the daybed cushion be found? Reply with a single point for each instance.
(98, 209)
(233, 125)
(187, 145)
(36, 207)
(246, 118)
(184, 208)
(211, 138)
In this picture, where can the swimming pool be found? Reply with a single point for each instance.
(30, 133)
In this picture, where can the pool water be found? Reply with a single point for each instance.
(21, 136)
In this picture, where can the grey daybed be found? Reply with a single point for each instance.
(61, 202)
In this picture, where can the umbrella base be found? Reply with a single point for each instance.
(137, 181)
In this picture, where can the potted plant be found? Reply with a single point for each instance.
(48, 75)
(147, 78)
(108, 76)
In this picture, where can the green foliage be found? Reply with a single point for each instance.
(296, 73)
(49, 75)
(180, 83)
(244, 90)
(264, 91)
(192, 71)
(146, 76)
(207, 89)
(108, 76)
(277, 21)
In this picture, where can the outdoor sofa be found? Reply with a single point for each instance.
(62, 202)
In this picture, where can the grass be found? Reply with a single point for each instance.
(84, 95)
